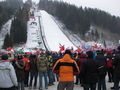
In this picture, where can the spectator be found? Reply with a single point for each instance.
(102, 70)
(66, 67)
(19, 68)
(89, 72)
(33, 71)
(81, 59)
(26, 61)
(50, 66)
(116, 65)
(109, 66)
(42, 65)
(8, 79)
(55, 57)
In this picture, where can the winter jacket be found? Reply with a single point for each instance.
(19, 68)
(50, 62)
(42, 63)
(7, 75)
(33, 65)
(81, 59)
(55, 57)
(116, 64)
(89, 72)
(102, 68)
(66, 67)
(109, 63)
(26, 61)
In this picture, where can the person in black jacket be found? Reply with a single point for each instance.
(102, 70)
(89, 73)
(33, 71)
(116, 69)
(19, 68)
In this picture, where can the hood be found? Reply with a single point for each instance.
(66, 57)
(83, 56)
(5, 65)
(42, 57)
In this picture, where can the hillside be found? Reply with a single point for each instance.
(79, 20)
(19, 13)
(78, 24)
(102, 35)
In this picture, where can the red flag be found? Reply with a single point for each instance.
(9, 49)
(38, 52)
(62, 48)
(95, 45)
(78, 50)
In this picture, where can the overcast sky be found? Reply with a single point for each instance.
(110, 6)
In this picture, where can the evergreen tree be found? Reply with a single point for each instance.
(97, 35)
(19, 25)
(78, 20)
(5, 13)
(7, 41)
(104, 42)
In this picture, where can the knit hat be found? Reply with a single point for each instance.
(68, 52)
(4, 57)
(90, 54)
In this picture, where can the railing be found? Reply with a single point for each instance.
(43, 34)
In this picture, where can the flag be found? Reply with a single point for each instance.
(9, 49)
(62, 48)
(95, 45)
(78, 50)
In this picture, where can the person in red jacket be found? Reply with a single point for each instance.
(66, 67)
(26, 61)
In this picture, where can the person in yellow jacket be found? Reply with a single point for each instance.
(66, 67)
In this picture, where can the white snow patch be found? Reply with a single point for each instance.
(5, 29)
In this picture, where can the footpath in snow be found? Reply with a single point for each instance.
(76, 87)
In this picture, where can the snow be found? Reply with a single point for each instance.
(5, 29)
(51, 33)
(43, 28)
(33, 34)
(76, 87)
(54, 36)
(72, 36)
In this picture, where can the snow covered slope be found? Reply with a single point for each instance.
(74, 38)
(33, 34)
(5, 29)
(44, 30)
(54, 36)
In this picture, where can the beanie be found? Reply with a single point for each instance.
(90, 54)
(68, 52)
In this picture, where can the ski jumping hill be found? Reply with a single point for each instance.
(44, 32)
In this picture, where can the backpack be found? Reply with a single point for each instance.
(102, 70)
